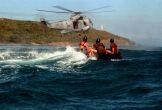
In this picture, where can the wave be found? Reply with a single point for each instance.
(68, 56)
(67, 59)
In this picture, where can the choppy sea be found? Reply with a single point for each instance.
(61, 78)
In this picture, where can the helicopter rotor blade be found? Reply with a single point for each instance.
(51, 11)
(96, 9)
(62, 8)
(75, 12)
(98, 12)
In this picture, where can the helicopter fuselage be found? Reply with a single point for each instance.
(75, 23)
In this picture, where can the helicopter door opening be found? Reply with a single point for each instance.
(75, 24)
(79, 24)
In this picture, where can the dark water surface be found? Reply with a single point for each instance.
(59, 78)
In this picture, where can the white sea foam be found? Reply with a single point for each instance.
(67, 57)
(74, 56)
(4, 55)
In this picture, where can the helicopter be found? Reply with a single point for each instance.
(76, 22)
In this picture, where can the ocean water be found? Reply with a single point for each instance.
(60, 78)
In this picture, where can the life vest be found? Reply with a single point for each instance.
(100, 48)
(113, 46)
(83, 45)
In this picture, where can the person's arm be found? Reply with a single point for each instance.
(108, 52)
(81, 46)
(113, 51)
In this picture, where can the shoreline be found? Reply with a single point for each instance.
(59, 44)
(48, 44)
(90, 44)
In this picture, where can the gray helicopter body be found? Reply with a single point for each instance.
(77, 21)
